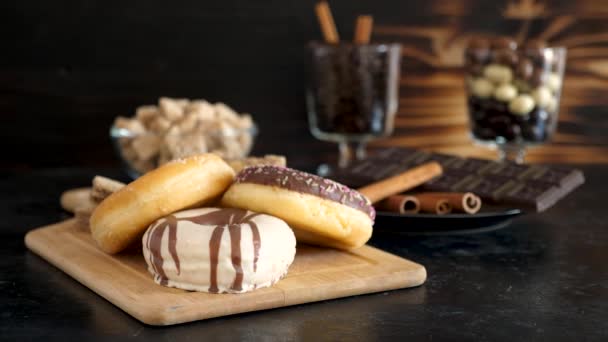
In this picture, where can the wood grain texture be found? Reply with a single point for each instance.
(433, 113)
(69, 68)
(316, 274)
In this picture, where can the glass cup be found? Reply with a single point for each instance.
(352, 95)
(513, 96)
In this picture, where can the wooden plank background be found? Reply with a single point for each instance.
(433, 112)
(67, 68)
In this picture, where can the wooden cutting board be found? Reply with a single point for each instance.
(316, 274)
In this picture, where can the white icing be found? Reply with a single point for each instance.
(276, 253)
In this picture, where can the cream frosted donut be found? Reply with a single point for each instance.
(218, 250)
(320, 211)
(122, 218)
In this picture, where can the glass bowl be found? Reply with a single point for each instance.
(513, 95)
(143, 152)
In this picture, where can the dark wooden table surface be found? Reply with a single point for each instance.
(543, 278)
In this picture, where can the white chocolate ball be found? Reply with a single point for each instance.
(552, 105)
(498, 73)
(522, 104)
(549, 56)
(522, 86)
(505, 92)
(482, 88)
(554, 82)
(468, 81)
(542, 96)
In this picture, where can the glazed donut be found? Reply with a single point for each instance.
(218, 250)
(123, 217)
(320, 211)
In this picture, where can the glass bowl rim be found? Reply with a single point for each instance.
(117, 132)
(316, 44)
(518, 49)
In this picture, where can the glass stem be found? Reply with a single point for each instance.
(512, 153)
(348, 153)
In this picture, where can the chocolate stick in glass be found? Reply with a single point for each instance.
(352, 94)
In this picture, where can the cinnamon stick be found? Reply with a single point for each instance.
(363, 29)
(407, 180)
(466, 202)
(435, 205)
(326, 21)
(400, 204)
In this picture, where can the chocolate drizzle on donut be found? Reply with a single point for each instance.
(173, 241)
(214, 252)
(156, 259)
(257, 242)
(231, 219)
(235, 254)
(307, 183)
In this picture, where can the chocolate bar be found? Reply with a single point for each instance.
(535, 187)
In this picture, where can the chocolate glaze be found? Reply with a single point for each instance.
(231, 219)
(303, 182)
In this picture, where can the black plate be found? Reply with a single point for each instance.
(431, 224)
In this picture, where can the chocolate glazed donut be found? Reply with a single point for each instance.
(319, 210)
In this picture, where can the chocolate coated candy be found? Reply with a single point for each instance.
(499, 121)
(521, 85)
(503, 126)
(495, 107)
(504, 43)
(538, 57)
(498, 73)
(534, 132)
(554, 82)
(542, 96)
(524, 69)
(512, 132)
(505, 92)
(535, 44)
(506, 56)
(522, 104)
(538, 115)
(475, 108)
(538, 77)
(478, 43)
(484, 133)
(553, 105)
(482, 88)
(475, 69)
(477, 56)
(478, 115)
